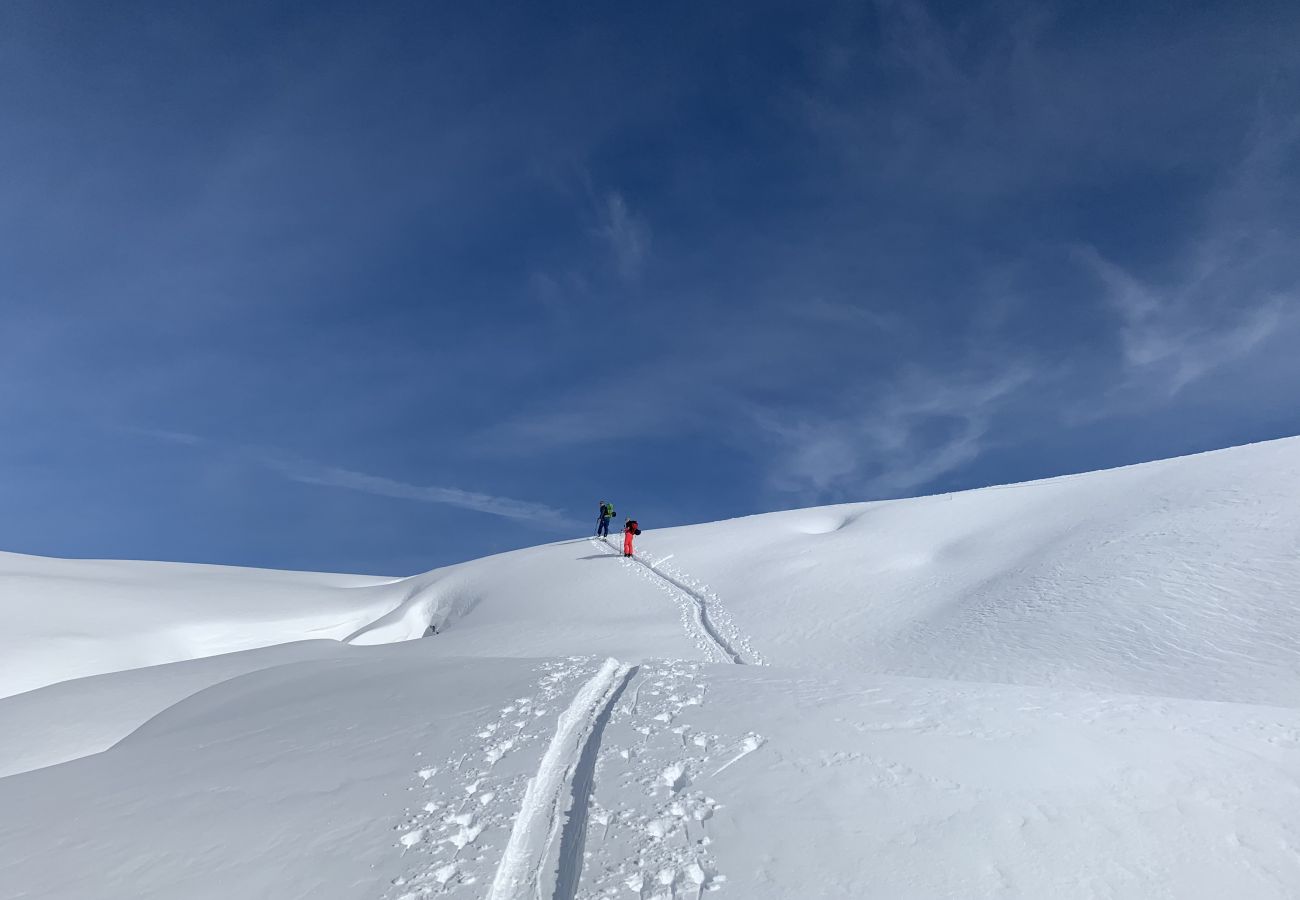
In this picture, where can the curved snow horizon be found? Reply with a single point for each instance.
(1067, 687)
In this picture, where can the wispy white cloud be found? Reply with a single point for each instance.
(305, 471)
(844, 315)
(1231, 289)
(626, 233)
(911, 433)
(161, 434)
(1168, 341)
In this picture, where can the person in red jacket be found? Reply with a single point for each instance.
(629, 528)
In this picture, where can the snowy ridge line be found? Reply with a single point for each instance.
(698, 602)
(542, 813)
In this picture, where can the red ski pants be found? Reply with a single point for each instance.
(627, 543)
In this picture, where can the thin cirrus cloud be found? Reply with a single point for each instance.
(1195, 298)
(626, 234)
(1167, 342)
(306, 471)
(923, 428)
(1234, 287)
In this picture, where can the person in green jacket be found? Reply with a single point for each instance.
(602, 523)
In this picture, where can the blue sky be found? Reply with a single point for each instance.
(380, 286)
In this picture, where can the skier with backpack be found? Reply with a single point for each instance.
(630, 527)
(602, 523)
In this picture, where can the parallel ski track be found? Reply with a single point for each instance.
(701, 604)
(573, 837)
(548, 829)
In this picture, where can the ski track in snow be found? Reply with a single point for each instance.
(703, 614)
(475, 793)
(540, 825)
(573, 839)
(650, 837)
(485, 818)
(546, 834)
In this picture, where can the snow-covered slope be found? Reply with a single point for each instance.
(397, 771)
(1087, 686)
(69, 618)
(1177, 578)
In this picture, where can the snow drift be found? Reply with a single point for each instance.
(1177, 577)
(1078, 687)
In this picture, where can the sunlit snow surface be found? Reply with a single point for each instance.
(1086, 687)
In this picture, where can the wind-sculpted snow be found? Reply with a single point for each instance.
(77, 718)
(1177, 578)
(75, 618)
(996, 693)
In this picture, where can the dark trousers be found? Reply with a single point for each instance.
(602, 527)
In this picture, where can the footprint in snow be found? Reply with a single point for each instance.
(674, 777)
(467, 834)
